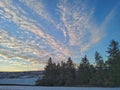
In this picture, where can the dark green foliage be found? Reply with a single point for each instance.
(50, 74)
(113, 49)
(84, 71)
(102, 73)
(99, 61)
(114, 63)
(58, 75)
(67, 73)
(70, 72)
(99, 75)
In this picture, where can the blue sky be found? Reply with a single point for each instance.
(31, 31)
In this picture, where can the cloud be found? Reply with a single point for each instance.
(39, 9)
(27, 53)
(12, 48)
(34, 44)
(30, 25)
(16, 53)
(78, 24)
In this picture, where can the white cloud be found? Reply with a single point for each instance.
(21, 51)
(30, 25)
(78, 23)
(12, 48)
(39, 9)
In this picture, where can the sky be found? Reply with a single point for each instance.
(31, 31)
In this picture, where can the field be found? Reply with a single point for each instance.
(52, 88)
(19, 81)
(20, 78)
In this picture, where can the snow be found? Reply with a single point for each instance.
(21, 81)
(31, 81)
(52, 88)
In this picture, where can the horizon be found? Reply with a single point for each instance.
(20, 71)
(31, 31)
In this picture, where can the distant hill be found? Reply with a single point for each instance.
(27, 74)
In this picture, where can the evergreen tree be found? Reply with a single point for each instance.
(99, 75)
(99, 60)
(58, 72)
(84, 72)
(71, 72)
(50, 74)
(113, 49)
(62, 74)
(114, 63)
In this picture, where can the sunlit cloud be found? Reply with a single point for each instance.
(39, 9)
(27, 24)
(77, 22)
(12, 48)
(34, 44)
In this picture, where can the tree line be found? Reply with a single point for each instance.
(103, 73)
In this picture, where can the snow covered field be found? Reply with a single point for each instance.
(52, 88)
(21, 81)
(31, 81)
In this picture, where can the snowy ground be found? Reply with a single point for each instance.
(21, 81)
(52, 88)
(31, 81)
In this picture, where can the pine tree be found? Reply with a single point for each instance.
(99, 75)
(84, 72)
(99, 60)
(113, 50)
(62, 74)
(50, 74)
(71, 72)
(114, 63)
(102, 74)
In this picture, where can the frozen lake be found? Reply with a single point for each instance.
(52, 88)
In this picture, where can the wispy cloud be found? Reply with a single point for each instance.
(27, 52)
(17, 53)
(78, 24)
(12, 48)
(76, 21)
(39, 9)
(27, 24)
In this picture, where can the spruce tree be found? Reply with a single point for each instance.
(71, 72)
(99, 60)
(99, 76)
(50, 74)
(84, 72)
(114, 63)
